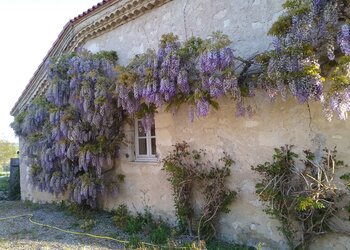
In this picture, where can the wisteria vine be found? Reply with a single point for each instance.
(196, 72)
(311, 55)
(73, 132)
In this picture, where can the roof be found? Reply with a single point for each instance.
(93, 8)
(100, 18)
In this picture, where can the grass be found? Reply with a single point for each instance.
(7, 174)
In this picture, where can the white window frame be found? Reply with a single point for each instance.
(149, 157)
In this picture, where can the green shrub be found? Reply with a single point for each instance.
(135, 224)
(121, 216)
(160, 234)
(158, 231)
(302, 199)
(134, 242)
(124, 220)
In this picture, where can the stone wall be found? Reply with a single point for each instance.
(249, 140)
(245, 21)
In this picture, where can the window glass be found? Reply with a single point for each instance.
(143, 146)
(154, 150)
(153, 130)
(140, 129)
(145, 142)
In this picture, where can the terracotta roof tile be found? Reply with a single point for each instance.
(90, 10)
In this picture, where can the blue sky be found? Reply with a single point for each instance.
(28, 30)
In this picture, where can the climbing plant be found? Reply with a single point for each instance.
(302, 197)
(311, 55)
(187, 168)
(196, 72)
(73, 132)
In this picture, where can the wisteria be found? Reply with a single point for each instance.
(75, 130)
(196, 72)
(311, 45)
(344, 39)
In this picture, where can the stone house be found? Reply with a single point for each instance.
(130, 27)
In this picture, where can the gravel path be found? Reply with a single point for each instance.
(19, 233)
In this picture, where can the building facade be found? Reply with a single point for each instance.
(132, 26)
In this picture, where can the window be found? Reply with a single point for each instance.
(145, 143)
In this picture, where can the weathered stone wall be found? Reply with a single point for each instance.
(249, 140)
(245, 21)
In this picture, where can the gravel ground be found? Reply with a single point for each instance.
(19, 233)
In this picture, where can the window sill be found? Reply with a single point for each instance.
(144, 164)
(147, 160)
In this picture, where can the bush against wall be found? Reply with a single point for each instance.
(304, 198)
(187, 168)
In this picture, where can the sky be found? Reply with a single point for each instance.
(28, 30)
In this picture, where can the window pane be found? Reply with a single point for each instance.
(142, 147)
(154, 149)
(140, 129)
(153, 130)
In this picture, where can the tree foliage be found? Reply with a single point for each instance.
(8, 150)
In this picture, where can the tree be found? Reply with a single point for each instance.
(7, 150)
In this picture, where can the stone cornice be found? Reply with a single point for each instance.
(93, 23)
